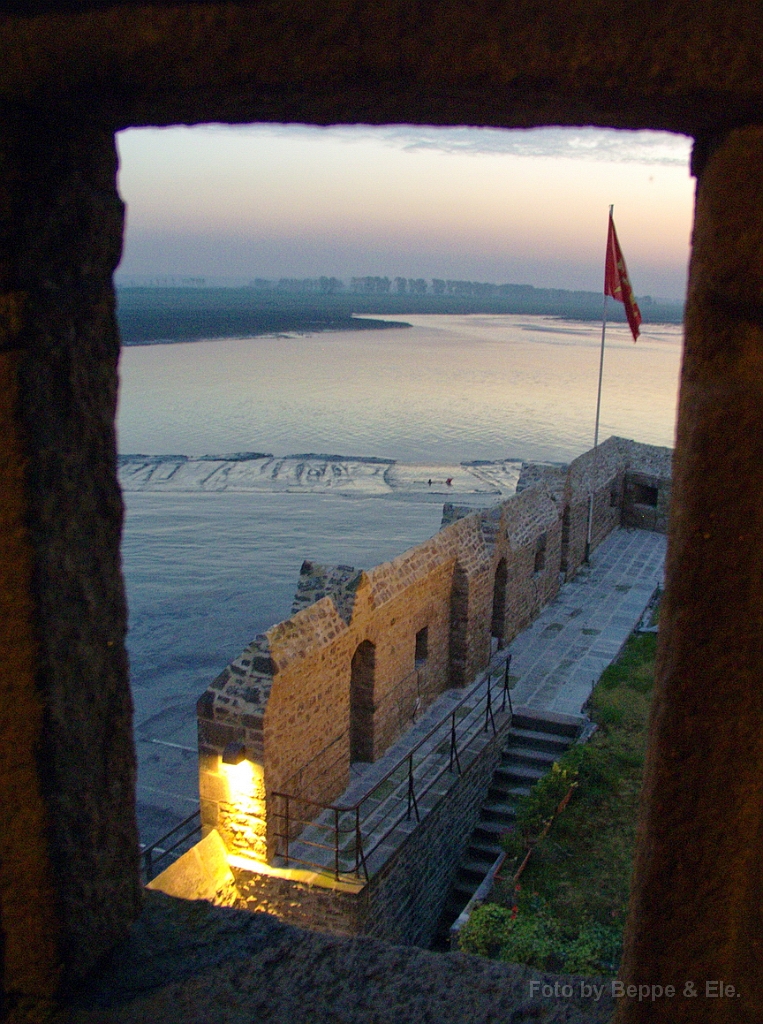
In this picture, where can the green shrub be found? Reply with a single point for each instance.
(529, 934)
(486, 930)
(582, 867)
(595, 950)
(535, 809)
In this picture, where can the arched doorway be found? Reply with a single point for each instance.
(498, 620)
(362, 703)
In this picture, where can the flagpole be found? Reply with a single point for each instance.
(596, 428)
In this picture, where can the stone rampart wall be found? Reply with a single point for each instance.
(407, 897)
(533, 529)
(365, 651)
(602, 472)
(647, 490)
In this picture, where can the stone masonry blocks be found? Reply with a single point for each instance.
(695, 905)
(60, 240)
(424, 621)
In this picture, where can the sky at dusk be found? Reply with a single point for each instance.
(528, 207)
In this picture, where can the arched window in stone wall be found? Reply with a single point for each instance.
(565, 539)
(362, 702)
(498, 621)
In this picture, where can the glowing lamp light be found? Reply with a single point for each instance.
(234, 753)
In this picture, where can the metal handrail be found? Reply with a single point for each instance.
(148, 854)
(464, 725)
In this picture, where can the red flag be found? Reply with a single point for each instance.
(616, 281)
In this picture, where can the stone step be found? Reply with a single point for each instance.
(509, 790)
(548, 722)
(498, 811)
(539, 740)
(484, 848)
(502, 792)
(464, 888)
(535, 741)
(529, 755)
(470, 869)
(521, 774)
(490, 830)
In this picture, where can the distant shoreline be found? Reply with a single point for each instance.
(177, 329)
(150, 316)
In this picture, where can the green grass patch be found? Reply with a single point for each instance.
(568, 912)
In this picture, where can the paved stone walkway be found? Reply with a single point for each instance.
(560, 657)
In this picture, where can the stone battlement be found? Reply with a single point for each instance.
(365, 649)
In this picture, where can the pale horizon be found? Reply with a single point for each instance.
(231, 204)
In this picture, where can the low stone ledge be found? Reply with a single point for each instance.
(187, 961)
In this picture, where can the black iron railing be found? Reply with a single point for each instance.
(340, 837)
(169, 843)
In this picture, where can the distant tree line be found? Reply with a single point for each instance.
(300, 285)
(398, 285)
(375, 294)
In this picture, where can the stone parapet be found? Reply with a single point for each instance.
(365, 651)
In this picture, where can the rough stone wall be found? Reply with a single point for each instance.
(604, 472)
(288, 698)
(695, 907)
(68, 842)
(649, 468)
(533, 528)
(407, 897)
(71, 73)
(313, 652)
(303, 903)
(684, 66)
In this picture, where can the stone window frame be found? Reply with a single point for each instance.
(421, 649)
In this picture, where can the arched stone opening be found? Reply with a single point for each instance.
(498, 620)
(458, 641)
(362, 702)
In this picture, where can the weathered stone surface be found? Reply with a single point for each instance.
(202, 873)
(696, 911)
(691, 67)
(190, 962)
(685, 66)
(67, 769)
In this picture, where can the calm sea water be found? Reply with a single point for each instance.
(205, 572)
(450, 388)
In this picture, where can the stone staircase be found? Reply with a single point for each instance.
(535, 741)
